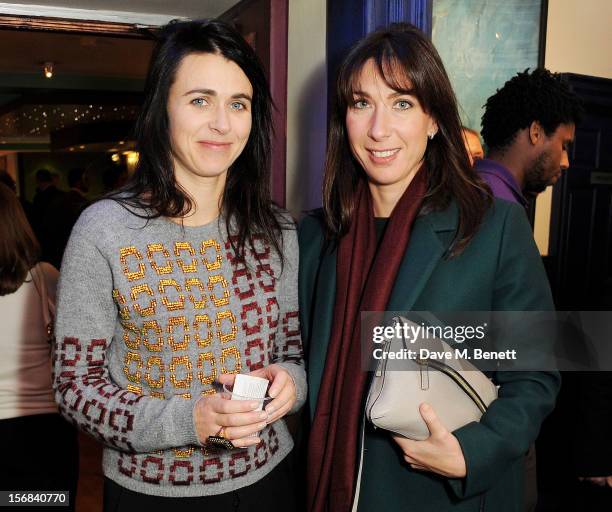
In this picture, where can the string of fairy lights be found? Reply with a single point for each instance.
(41, 120)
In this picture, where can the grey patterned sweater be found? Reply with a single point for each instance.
(148, 315)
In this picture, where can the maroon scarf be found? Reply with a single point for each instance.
(365, 279)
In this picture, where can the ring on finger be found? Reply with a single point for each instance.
(220, 440)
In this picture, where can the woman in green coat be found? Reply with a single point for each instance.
(407, 225)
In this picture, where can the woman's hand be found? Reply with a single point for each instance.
(440, 453)
(239, 419)
(282, 389)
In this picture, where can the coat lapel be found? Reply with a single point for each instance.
(429, 240)
(322, 320)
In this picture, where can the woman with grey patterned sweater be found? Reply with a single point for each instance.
(183, 279)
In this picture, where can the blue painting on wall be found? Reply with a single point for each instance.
(483, 43)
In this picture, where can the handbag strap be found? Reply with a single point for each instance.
(47, 306)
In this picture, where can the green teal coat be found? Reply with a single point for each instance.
(501, 270)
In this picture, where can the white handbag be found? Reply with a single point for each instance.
(458, 392)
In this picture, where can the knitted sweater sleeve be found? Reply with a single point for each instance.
(84, 389)
(287, 350)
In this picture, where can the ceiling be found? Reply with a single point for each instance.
(177, 8)
(96, 79)
(73, 54)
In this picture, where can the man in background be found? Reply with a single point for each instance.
(47, 215)
(76, 198)
(46, 194)
(75, 201)
(528, 126)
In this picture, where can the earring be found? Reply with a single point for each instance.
(431, 136)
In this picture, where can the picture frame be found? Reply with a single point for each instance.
(483, 43)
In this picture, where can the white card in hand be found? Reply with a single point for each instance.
(250, 388)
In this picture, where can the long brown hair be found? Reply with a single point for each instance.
(246, 199)
(406, 60)
(19, 250)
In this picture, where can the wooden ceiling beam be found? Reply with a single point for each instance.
(99, 28)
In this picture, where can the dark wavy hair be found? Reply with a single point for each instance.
(406, 60)
(246, 202)
(19, 249)
(539, 96)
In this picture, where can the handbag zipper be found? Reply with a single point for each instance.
(449, 372)
(458, 379)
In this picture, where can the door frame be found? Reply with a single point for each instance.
(276, 59)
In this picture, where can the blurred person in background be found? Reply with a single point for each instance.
(47, 215)
(40, 450)
(8, 180)
(472, 144)
(74, 202)
(114, 177)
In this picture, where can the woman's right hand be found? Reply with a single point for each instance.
(440, 453)
(239, 419)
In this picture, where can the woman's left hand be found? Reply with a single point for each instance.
(440, 453)
(282, 390)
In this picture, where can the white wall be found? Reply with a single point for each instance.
(579, 37)
(578, 40)
(306, 103)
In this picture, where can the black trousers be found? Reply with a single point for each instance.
(273, 493)
(39, 453)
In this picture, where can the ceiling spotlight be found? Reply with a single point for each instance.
(132, 157)
(48, 69)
